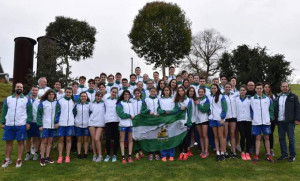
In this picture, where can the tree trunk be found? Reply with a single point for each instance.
(163, 67)
(67, 71)
(207, 73)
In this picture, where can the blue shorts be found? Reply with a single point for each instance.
(48, 133)
(65, 131)
(33, 131)
(214, 123)
(82, 131)
(126, 129)
(257, 129)
(14, 133)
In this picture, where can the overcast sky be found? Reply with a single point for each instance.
(271, 23)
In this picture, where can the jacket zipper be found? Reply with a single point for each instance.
(15, 112)
(82, 116)
(51, 114)
(261, 112)
(68, 114)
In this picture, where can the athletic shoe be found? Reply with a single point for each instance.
(67, 160)
(27, 157)
(142, 155)
(201, 154)
(205, 155)
(124, 161)
(99, 159)
(233, 155)
(282, 158)
(238, 148)
(150, 157)
(248, 156)
(185, 156)
(180, 156)
(107, 158)
(270, 158)
(6, 163)
(137, 158)
(157, 157)
(272, 153)
(35, 156)
(60, 159)
(49, 160)
(85, 156)
(255, 159)
(292, 159)
(228, 144)
(94, 158)
(226, 155)
(218, 158)
(79, 156)
(222, 157)
(130, 160)
(171, 159)
(19, 163)
(243, 155)
(190, 154)
(114, 158)
(42, 162)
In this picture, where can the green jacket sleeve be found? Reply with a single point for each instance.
(159, 110)
(190, 114)
(145, 110)
(39, 117)
(224, 108)
(175, 109)
(75, 110)
(120, 112)
(205, 107)
(57, 113)
(29, 111)
(4, 111)
(271, 110)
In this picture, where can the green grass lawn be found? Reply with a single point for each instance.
(193, 169)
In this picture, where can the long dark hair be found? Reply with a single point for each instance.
(158, 88)
(45, 96)
(186, 80)
(163, 91)
(218, 93)
(88, 99)
(122, 96)
(178, 98)
(194, 96)
(270, 93)
(138, 90)
(175, 82)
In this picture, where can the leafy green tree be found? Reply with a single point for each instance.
(255, 64)
(75, 40)
(161, 34)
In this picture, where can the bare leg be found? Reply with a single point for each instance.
(49, 146)
(122, 139)
(86, 144)
(20, 149)
(216, 136)
(60, 145)
(257, 144)
(201, 137)
(205, 136)
(98, 137)
(233, 136)
(69, 144)
(267, 143)
(92, 132)
(130, 140)
(79, 138)
(43, 147)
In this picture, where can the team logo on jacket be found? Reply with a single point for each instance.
(163, 136)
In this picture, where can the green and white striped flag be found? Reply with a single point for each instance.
(159, 133)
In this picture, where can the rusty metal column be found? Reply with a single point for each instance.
(46, 59)
(23, 62)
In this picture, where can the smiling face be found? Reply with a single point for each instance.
(138, 71)
(191, 92)
(124, 83)
(167, 92)
(162, 84)
(227, 88)
(68, 93)
(83, 97)
(233, 82)
(113, 93)
(34, 91)
(91, 85)
(181, 92)
(99, 98)
(259, 90)
(126, 96)
(202, 82)
(57, 85)
(19, 88)
(156, 76)
(201, 93)
(285, 87)
(81, 81)
(251, 86)
(196, 79)
(118, 77)
(150, 84)
(152, 92)
(173, 84)
(110, 79)
(267, 88)
(214, 89)
(137, 94)
(132, 78)
(51, 96)
(243, 92)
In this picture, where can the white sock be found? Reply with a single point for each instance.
(218, 152)
(7, 159)
(222, 153)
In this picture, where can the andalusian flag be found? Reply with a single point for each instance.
(159, 133)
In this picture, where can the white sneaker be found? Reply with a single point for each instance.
(99, 159)
(27, 157)
(19, 163)
(6, 163)
(94, 158)
(35, 156)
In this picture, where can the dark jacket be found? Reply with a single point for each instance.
(292, 108)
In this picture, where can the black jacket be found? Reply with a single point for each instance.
(292, 108)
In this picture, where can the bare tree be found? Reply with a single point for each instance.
(207, 47)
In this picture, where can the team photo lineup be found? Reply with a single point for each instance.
(150, 115)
